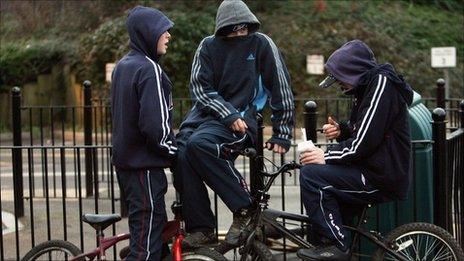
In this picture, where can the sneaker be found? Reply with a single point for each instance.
(324, 253)
(237, 229)
(199, 239)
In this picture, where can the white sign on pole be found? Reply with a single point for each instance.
(109, 67)
(443, 57)
(315, 64)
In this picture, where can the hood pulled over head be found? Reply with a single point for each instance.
(145, 26)
(348, 63)
(234, 12)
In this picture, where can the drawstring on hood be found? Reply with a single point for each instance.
(145, 26)
(231, 13)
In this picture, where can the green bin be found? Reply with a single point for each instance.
(419, 205)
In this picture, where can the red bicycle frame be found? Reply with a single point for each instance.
(104, 243)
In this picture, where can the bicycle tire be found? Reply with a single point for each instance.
(259, 251)
(44, 250)
(402, 237)
(201, 254)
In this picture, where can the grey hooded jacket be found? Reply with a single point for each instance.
(233, 77)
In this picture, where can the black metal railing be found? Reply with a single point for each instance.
(449, 174)
(61, 167)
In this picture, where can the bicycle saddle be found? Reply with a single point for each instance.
(100, 221)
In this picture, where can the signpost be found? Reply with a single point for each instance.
(315, 64)
(444, 57)
(109, 67)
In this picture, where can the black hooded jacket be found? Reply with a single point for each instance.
(141, 100)
(377, 136)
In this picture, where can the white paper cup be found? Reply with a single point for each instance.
(305, 146)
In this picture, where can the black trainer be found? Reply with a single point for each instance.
(331, 252)
(199, 239)
(237, 230)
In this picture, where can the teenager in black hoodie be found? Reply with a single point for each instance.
(143, 141)
(370, 163)
(234, 72)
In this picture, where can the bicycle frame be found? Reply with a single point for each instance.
(172, 229)
(270, 216)
(104, 243)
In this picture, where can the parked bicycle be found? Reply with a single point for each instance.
(173, 233)
(412, 241)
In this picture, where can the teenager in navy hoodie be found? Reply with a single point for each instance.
(371, 162)
(143, 141)
(234, 73)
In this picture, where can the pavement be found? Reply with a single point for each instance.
(51, 225)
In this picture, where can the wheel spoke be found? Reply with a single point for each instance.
(439, 254)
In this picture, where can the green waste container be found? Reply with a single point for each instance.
(419, 205)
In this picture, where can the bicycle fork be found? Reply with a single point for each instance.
(177, 246)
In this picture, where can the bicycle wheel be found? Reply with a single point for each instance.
(421, 241)
(53, 250)
(204, 254)
(258, 251)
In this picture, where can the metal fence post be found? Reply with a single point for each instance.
(461, 113)
(88, 138)
(16, 152)
(441, 102)
(310, 120)
(441, 193)
(256, 180)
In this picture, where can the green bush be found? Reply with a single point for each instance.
(22, 62)
(110, 42)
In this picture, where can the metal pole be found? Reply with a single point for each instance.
(441, 102)
(310, 120)
(447, 84)
(88, 138)
(461, 113)
(16, 152)
(256, 180)
(441, 193)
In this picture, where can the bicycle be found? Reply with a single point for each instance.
(406, 242)
(173, 233)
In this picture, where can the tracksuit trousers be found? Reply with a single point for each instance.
(144, 192)
(201, 160)
(324, 188)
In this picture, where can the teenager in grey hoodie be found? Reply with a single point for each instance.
(234, 73)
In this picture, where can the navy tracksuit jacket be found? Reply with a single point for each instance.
(231, 78)
(143, 141)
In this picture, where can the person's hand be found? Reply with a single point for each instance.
(239, 125)
(314, 156)
(275, 147)
(331, 129)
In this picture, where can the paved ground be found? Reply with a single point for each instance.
(39, 229)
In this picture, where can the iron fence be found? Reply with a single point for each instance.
(449, 174)
(61, 168)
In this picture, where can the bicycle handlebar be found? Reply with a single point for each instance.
(252, 154)
(284, 168)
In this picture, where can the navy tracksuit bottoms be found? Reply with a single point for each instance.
(201, 160)
(324, 188)
(144, 192)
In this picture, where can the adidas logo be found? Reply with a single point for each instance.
(251, 57)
